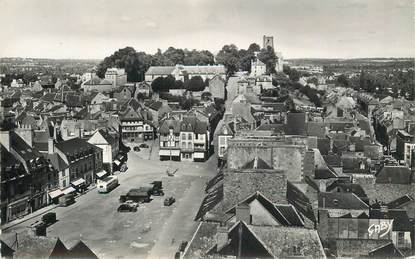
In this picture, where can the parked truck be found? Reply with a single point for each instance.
(141, 194)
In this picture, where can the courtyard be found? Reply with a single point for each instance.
(154, 231)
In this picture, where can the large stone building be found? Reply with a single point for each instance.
(84, 160)
(184, 73)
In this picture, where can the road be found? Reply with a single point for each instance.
(154, 231)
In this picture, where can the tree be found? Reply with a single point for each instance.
(343, 80)
(245, 59)
(176, 56)
(286, 69)
(254, 48)
(228, 56)
(206, 96)
(159, 59)
(134, 63)
(294, 75)
(162, 84)
(280, 79)
(195, 57)
(269, 58)
(195, 84)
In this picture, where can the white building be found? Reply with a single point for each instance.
(117, 76)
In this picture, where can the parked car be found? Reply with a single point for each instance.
(143, 145)
(67, 199)
(128, 206)
(169, 201)
(136, 149)
(49, 218)
(157, 189)
(123, 168)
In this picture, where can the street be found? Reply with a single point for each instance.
(154, 231)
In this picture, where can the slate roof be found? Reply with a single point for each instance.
(300, 201)
(342, 186)
(210, 201)
(22, 148)
(285, 214)
(213, 182)
(38, 246)
(74, 145)
(333, 160)
(203, 69)
(154, 105)
(323, 144)
(105, 134)
(281, 241)
(160, 70)
(398, 203)
(170, 123)
(6, 251)
(296, 124)
(56, 161)
(339, 200)
(394, 175)
(386, 251)
(316, 129)
(81, 250)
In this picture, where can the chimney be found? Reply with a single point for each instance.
(5, 139)
(55, 132)
(51, 147)
(221, 237)
(322, 186)
(243, 213)
(81, 133)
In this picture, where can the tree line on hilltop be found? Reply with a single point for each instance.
(234, 59)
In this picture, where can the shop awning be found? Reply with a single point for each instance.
(56, 193)
(78, 182)
(69, 190)
(166, 152)
(102, 174)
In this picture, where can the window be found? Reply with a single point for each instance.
(196, 136)
(189, 136)
(64, 183)
(401, 239)
(183, 144)
(183, 136)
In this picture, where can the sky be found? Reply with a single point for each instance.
(301, 28)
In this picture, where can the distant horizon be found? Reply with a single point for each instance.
(297, 58)
(94, 29)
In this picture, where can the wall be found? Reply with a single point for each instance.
(287, 158)
(353, 248)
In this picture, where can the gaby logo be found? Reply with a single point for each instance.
(382, 229)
